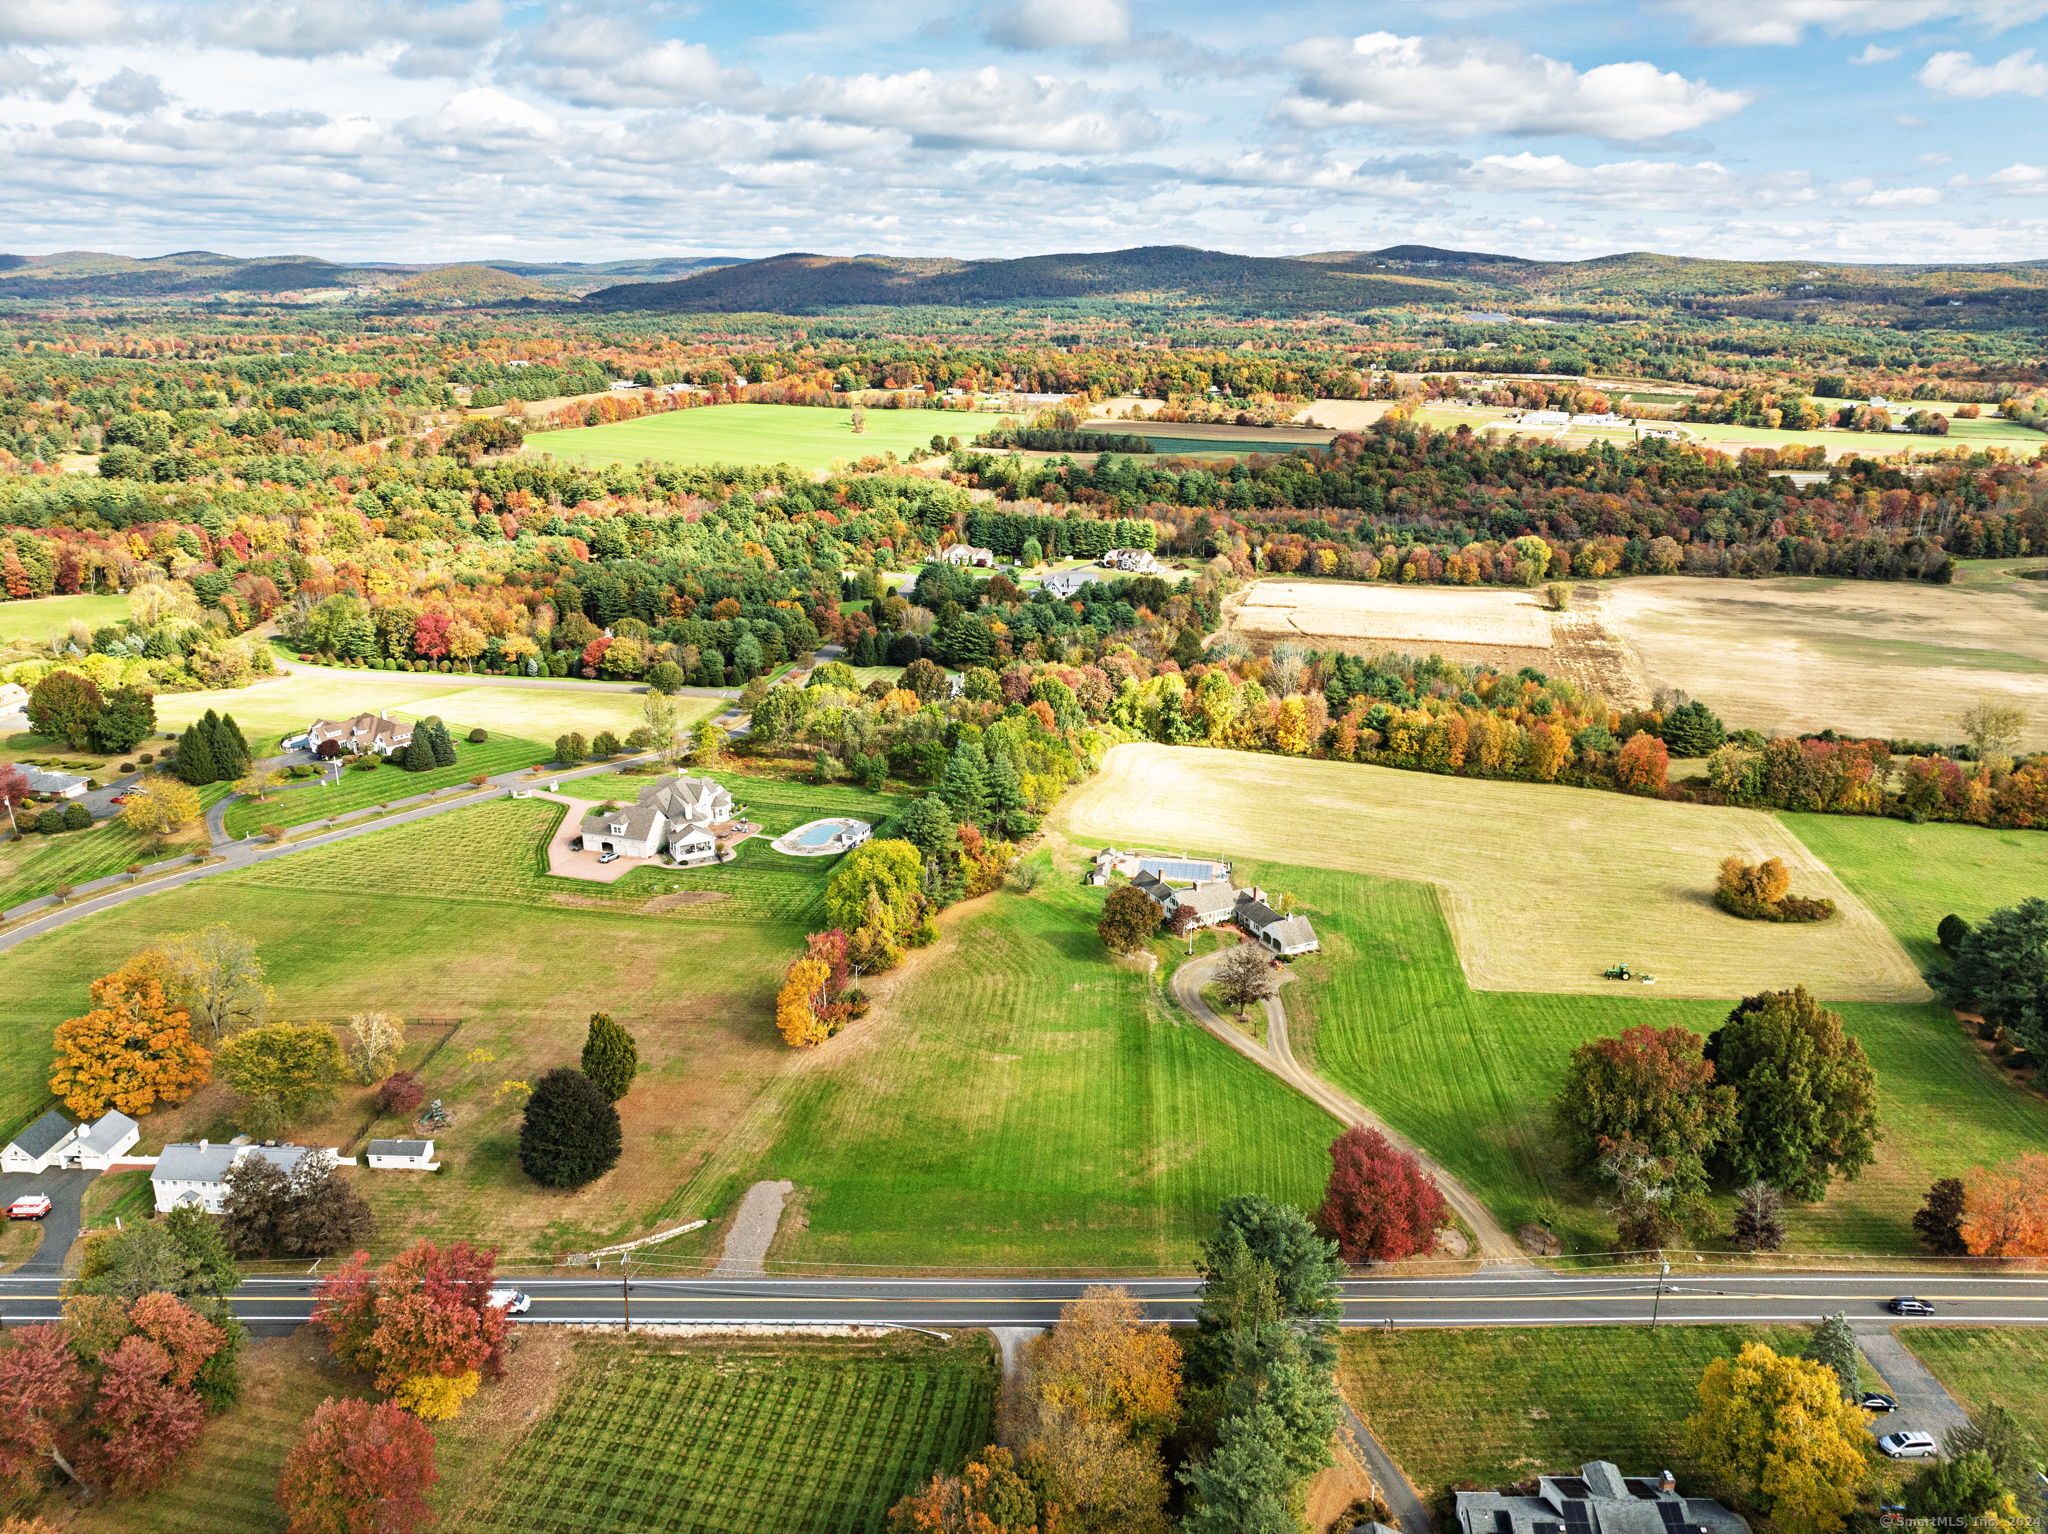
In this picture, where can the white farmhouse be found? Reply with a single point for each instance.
(683, 815)
(54, 1141)
(1283, 935)
(187, 1175)
(967, 554)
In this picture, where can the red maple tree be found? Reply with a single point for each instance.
(1381, 1205)
(359, 1469)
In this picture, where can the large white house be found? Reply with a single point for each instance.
(354, 737)
(54, 1141)
(681, 815)
(1283, 935)
(198, 1174)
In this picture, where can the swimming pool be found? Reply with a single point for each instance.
(819, 834)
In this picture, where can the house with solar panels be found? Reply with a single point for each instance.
(1598, 1500)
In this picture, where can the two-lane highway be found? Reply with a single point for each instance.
(276, 1304)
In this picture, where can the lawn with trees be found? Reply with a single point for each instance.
(1471, 1075)
(807, 436)
(293, 803)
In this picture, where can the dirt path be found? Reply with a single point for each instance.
(1496, 1246)
(753, 1231)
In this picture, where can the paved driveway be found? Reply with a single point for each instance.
(66, 1190)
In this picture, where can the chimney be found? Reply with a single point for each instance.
(202, 1145)
(1666, 1481)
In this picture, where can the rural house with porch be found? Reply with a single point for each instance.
(689, 818)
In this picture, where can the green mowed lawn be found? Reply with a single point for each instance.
(1495, 1405)
(37, 620)
(36, 864)
(311, 799)
(817, 1437)
(452, 918)
(1987, 1365)
(807, 436)
(1028, 1101)
(1912, 876)
(1472, 1075)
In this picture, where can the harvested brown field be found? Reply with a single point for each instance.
(1544, 886)
(1889, 658)
(1393, 617)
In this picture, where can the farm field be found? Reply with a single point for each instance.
(804, 1437)
(1507, 1404)
(1019, 1099)
(807, 436)
(1399, 616)
(1983, 1365)
(36, 620)
(311, 799)
(1912, 876)
(1986, 432)
(1472, 1074)
(1887, 658)
(1609, 878)
(463, 924)
(269, 711)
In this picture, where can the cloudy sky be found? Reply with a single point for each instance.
(407, 130)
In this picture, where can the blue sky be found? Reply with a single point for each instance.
(391, 129)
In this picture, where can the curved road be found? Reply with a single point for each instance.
(454, 679)
(1496, 1246)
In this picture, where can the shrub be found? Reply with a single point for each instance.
(571, 750)
(1760, 892)
(127, 767)
(479, 735)
(400, 1093)
(146, 758)
(1951, 931)
(605, 744)
(76, 817)
(50, 822)
(273, 833)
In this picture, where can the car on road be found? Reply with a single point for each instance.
(1907, 1305)
(30, 1206)
(607, 857)
(513, 1302)
(1871, 1400)
(118, 799)
(1908, 1446)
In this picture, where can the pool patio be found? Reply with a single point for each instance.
(823, 838)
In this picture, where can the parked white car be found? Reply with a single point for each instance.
(513, 1302)
(1908, 1446)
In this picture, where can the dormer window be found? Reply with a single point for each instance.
(618, 828)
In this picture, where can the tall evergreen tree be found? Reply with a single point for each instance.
(230, 747)
(441, 743)
(610, 1057)
(964, 783)
(419, 755)
(1834, 1344)
(195, 761)
(1008, 813)
(570, 1134)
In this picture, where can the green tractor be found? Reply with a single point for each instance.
(1617, 972)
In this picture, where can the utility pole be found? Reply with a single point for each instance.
(1657, 1306)
(626, 1290)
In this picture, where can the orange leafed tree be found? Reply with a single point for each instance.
(800, 1003)
(1104, 1362)
(133, 1050)
(2005, 1210)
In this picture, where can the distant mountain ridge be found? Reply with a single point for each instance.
(1149, 276)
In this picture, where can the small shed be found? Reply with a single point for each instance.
(402, 1156)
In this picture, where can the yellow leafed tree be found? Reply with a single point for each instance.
(133, 1050)
(796, 1005)
(1775, 1433)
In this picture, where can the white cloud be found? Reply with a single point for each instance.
(983, 108)
(1372, 180)
(1872, 54)
(130, 93)
(1763, 23)
(1445, 87)
(1650, 184)
(311, 29)
(485, 119)
(1060, 23)
(61, 21)
(21, 75)
(1959, 74)
(2017, 180)
(1898, 197)
(665, 74)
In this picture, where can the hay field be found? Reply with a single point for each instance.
(1396, 616)
(1544, 886)
(1872, 657)
(808, 436)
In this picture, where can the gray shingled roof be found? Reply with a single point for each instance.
(43, 1133)
(193, 1163)
(1207, 898)
(111, 1129)
(401, 1147)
